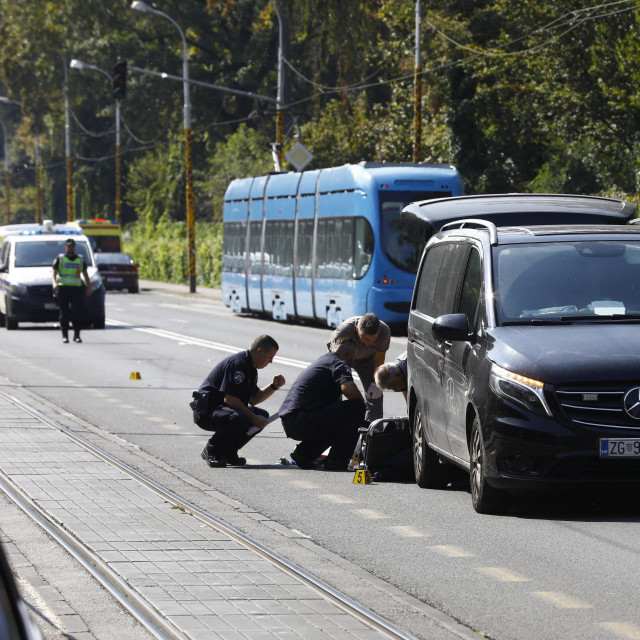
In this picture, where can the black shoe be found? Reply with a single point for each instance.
(77, 339)
(333, 465)
(212, 460)
(301, 462)
(236, 461)
(65, 340)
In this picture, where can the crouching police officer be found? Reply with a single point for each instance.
(225, 402)
(393, 375)
(314, 413)
(68, 289)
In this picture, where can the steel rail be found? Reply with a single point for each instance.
(349, 605)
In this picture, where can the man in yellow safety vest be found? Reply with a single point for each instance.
(68, 290)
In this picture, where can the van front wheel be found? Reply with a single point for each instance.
(484, 497)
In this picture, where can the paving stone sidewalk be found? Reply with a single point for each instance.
(207, 583)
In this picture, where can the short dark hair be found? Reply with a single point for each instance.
(69, 242)
(369, 323)
(264, 342)
(345, 348)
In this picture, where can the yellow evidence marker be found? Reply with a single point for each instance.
(362, 476)
(135, 375)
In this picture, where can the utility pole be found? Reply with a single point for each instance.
(278, 151)
(38, 191)
(67, 142)
(7, 179)
(417, 81)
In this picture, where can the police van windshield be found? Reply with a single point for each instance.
(403, 241)
(42, 254)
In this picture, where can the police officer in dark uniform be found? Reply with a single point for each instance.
(225, 402)
(314, 413)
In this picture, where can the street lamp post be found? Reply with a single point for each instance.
(78, 64)
(280, 98)
(7, 180)
(138, 5)
(67, 141)
(417, 106)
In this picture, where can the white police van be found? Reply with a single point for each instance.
(27, 253)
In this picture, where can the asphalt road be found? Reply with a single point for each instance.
(555, 567)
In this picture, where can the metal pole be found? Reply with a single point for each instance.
(38, 193)
(67, 142)
(7, 180)
(279, 100)
(191, 232)
(118, 165)
(417, 79)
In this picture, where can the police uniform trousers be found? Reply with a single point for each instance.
(335, 425)
(70, 304)
(365, 369)
(230, 428)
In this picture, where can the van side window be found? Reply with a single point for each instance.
(471, 286)
(450, 277)
(429, 279)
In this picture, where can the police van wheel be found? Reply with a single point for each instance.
(2, 319)
(430, 473)
(98, 323)
(12, 324)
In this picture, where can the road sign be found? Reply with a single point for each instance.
(299, 156)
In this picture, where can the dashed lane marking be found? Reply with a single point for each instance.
(335, 498)
(277, 472)
(154, 419)
(370, 514)
(503, 575)
(139, 412)
(626, 630)
(305, 484)
(407, 532)
(451, 551)
(561, 600)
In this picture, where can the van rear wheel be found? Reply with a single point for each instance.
(430, 473)
(12, 324)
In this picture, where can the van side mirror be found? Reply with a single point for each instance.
(453, 326)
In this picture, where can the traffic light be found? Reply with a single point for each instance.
(120, 79)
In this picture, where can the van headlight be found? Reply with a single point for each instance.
(19, 289)
(521, 389)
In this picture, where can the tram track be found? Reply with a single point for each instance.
(148, 616)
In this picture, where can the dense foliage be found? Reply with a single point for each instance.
(520, 95)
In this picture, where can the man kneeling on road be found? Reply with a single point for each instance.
(225, 402)
(313, 412)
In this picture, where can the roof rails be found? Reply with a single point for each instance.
(484, 224)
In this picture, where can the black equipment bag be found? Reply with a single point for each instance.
(386, 449)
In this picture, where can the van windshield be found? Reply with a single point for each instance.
(565, 280)
(42, 254)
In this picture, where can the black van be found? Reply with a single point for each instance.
(524, 344)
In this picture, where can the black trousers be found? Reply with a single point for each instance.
(230, 428)
(335, 426)
(70, 304)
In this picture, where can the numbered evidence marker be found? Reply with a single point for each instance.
(362, 476)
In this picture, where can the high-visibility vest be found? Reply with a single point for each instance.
(69, 270)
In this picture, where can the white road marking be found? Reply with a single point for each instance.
(623, 629)
(370, 514)
(451, 551)
(503, 575)
(407, 532)
(304, 484)
(561, 600)
(335, 498)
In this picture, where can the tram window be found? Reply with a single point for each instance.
(305, 245)
(255, 241)
(363, 247)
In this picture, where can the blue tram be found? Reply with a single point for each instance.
(327, 244)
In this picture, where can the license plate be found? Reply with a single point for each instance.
(114, 280)
(50, 305)
(619, 447)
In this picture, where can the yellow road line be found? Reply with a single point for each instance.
(407, 532)
(503, 575)
(623, 629)
(451, 551)
(370, 514)
(561, 600)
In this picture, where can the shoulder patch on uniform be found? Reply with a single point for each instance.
(238, 377)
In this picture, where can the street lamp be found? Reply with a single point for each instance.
(67, 141)
(280, 98)
(138, 5)
(7, 180)
(417, 84)
(78, 64)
